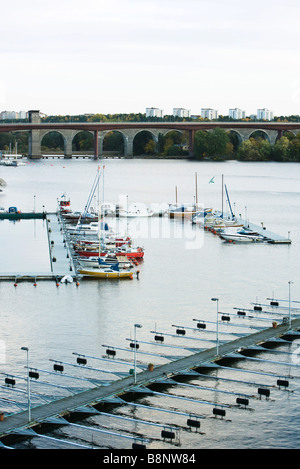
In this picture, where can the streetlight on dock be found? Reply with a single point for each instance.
(135, 328)
(28, 383)
(217, 300)
(290, 321)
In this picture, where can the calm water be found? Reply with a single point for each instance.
(183, 269)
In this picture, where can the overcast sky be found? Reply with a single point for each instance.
(96, 56)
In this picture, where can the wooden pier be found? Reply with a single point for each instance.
(88, 398)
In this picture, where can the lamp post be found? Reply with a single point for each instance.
(290, 322)
(135, 328)
(217, 300)
(28, 382)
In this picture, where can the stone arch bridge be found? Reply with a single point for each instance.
(38, 129)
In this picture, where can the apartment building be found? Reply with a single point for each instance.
(264, 114)
(154, 112)
(181, 112)
(237, 113)
(208, 113)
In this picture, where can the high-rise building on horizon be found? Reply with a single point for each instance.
(264, 114)
(237, 113)
(181, 112)
(13, 115)
(208, 113)
(154, 112)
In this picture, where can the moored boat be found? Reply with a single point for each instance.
(240, 237)
(104, 272)
(136, 211)
(130, 253)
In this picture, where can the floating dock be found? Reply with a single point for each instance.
(60, 259)
(22, 215)
(85, 401)
(269, 236)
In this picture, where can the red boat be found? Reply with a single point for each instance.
(63, 204)
(130, 253)
(94, 246)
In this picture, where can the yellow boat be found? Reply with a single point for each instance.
(110, 272)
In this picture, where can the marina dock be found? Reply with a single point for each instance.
(60, 259)
(269, 236)
(85, 401)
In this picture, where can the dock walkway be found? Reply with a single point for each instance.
(60, 259)
(270, 236)
(89, 397)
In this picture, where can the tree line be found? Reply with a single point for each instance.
(141, 117)
(219, 145)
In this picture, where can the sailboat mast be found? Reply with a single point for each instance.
(196, 184)
(222, 193)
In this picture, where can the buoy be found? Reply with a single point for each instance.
(282, 382)
(225, 318)
(242, 401)
(81, 361)
(57, 367)
(193, 423)
(263, 392)
(15, 284)
(159, 338)
(77, 284)
(167, 434)
(10, 381)
(220, 412)
(133, 345)
(200, 325)
(138, 446)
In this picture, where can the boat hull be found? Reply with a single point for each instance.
(240, 238)
(129, 255)
(102, 274)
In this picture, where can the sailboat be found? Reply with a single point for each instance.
(104, 270)
(109, 271)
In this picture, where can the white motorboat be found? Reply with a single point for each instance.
(199, 216)
(136, 211)
(241, 238)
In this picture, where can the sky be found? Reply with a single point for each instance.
(121, 56)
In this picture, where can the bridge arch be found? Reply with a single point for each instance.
(52, 141)
(83, 141)
(142, 142)
(114, 141)
(260, 134)
(235, 138)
